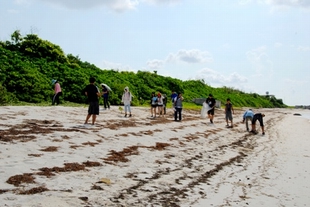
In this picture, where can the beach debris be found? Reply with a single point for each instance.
(105, 180)
(297, 114)
(34, 191)
(121, 109)
(84, 198)
(16, 180)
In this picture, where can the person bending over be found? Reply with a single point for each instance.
(258, 117)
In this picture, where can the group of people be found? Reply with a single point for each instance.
(159, 102)
(250, 116)
(93, 93)
(159, 105)
(229, 111)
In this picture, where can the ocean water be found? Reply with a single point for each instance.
(306, 114)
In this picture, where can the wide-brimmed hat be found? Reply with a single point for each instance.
(54, 81)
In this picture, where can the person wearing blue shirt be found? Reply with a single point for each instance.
(248, 116)
(173, 96)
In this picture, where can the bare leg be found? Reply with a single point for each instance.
(87, 118)
(253, 127)
(94, 119)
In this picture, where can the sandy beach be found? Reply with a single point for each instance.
(50, 158)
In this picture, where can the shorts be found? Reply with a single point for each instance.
(154, 105)
(229, 116)
(211, 111)
(93, 108)
(258, 117)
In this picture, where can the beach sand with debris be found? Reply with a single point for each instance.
(50, 158)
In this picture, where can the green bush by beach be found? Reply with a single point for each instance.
(28, 64)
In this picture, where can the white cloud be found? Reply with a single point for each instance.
(116, 66)
(260, 61)
(298, 83)
(284, 4)
(116, 5)
(155, 64)
(158, 2)
(303, 48)
(190, 56)
(215, 78)
(288, 3)
(280, 4)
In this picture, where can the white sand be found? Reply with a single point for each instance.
(156, 162)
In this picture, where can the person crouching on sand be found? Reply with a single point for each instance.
(248, 116)
(259, 117)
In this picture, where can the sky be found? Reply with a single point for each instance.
(256, 46)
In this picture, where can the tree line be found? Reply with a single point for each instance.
(29, 63)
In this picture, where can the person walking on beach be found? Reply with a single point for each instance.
(93, 94)
(211, 102)
(165, 102)
(57, 92)
(105, 96)
(229, 111)
(173, 96)
(178, 105)
(259, 117)
(154, 101)
(160, 104)
(248, 116)
(126, 99)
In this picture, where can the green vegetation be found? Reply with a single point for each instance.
(28, 64)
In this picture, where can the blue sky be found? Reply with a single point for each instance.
(251, 45)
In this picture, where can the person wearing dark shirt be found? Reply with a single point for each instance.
(211, 102)
(229, 111)
(105, 96)
(92, 93)
(178, 105)
(258, 117)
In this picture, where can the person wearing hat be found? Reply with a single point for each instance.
(211, 102)
(57, 92)
(126, 99)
